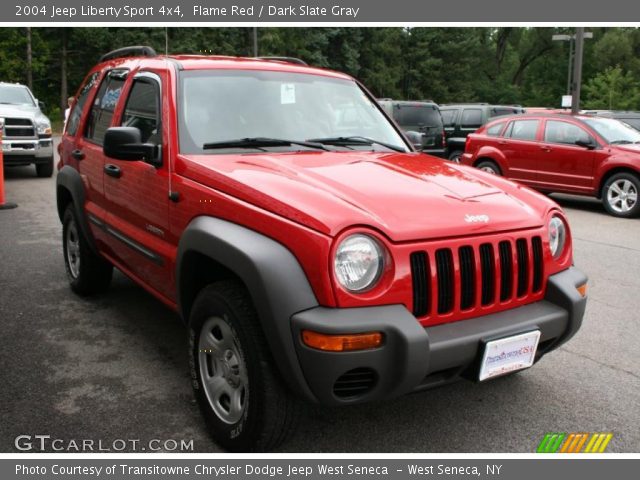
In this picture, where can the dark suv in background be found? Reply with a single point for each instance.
(462, 119)
(421, 121)
(629, 117)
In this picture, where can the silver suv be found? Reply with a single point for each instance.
(26, 131)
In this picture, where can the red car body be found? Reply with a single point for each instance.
(462, 247)
(552, 166)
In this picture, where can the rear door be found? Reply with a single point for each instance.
(138, 193)
(563, 165)
(521, 148)
(86, 148)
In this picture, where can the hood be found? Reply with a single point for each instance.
(19, 111)
(405, 196)
(630, 148)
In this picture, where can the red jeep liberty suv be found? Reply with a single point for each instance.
(578, 154)
(312, 253)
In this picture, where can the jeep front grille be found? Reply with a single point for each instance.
(18, 128)
(469, 277)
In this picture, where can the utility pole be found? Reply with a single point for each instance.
(29, 61)
(577, 70)
(255, 41)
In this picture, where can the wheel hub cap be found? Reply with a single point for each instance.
(622, 196)
(223, 372)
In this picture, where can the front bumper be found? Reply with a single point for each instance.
(25, 151)
(414, 358)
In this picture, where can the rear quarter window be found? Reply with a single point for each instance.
(495, 129)
(449, 117)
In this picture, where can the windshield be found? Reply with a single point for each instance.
(15, 96)
(614, 131)
(224, 108)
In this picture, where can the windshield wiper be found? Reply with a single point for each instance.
(259, 143)
(620, 142)
(355, 140)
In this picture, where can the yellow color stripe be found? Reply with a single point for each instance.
(593, 439)
(596, 445)
(581, 443)
(567, 442)
(605, 442)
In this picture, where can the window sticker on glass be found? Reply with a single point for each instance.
(287, 93)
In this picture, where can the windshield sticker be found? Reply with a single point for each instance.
(287, 93)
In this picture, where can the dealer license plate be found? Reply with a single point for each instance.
(509, 354)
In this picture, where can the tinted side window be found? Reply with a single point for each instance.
(496, 112)
(563, 132)
(524, 129)
(471, 118)
(76, 113)
(142, 110)
(449, 117)
(102, 110)
(494, 130)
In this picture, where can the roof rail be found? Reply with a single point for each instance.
(284, 59)
(133, 51)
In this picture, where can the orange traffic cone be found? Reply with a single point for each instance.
(3, 204)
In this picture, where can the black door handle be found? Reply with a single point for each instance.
(78, 154)
(112, 170)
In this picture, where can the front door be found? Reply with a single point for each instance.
(137, 192)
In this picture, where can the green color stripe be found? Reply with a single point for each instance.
(543, 444)
(558, 443)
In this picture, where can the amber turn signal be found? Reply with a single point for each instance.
(341, 343)
(582, 289)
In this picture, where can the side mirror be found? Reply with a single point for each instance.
(125, 143)
(589, 144)
(41, 105)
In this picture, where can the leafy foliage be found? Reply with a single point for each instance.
(502, 65)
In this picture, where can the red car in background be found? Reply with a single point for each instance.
(577, 154)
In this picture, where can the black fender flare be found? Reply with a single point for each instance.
(273, 276)
(69, 179)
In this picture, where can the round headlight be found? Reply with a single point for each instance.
(557, 236)
(359, 262)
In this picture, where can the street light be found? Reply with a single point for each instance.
(560, 37)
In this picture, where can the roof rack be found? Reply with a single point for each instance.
(284, 59)
(133, 51)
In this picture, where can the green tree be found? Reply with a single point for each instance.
(612, 89)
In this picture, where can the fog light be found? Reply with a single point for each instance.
(582, 289)
(342, 343)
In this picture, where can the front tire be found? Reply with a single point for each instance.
(240, 392)
(87, 272)
(45, 170)
(620, 195)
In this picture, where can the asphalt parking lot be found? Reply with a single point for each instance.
(115, 366)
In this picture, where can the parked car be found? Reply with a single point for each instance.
(313, 255)
(581, 154)
(26, 131)
(630, 117)
(421, 121)
(462, 119)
